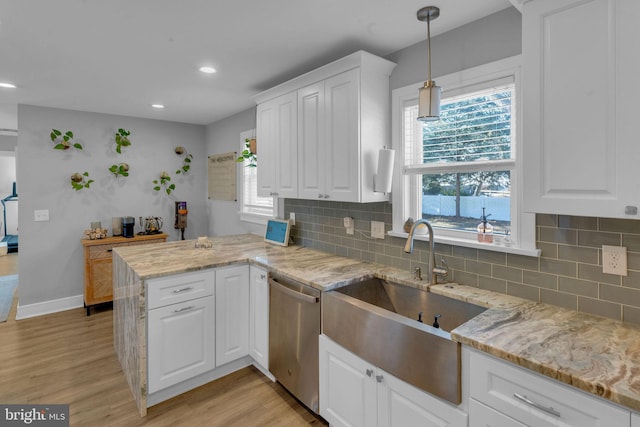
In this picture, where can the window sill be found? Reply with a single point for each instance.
(472, 244)
(254, 218)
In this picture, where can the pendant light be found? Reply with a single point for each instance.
(429, 95)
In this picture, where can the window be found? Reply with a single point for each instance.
(454, 169)
(253, 208)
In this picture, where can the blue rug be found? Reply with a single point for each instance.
(8, 286)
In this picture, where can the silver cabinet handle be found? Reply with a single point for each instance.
(379, 378)
(319, 196)
(263, 276)
(295, 294)
(180, 310)
(177, 291)
(369, 372)
(326, 196)
(530, 402)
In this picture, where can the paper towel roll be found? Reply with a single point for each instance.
(382, 180)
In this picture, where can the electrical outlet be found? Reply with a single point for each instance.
(292, 218)
(377, 229)
(614, 260)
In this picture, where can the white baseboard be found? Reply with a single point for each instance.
(48, 307)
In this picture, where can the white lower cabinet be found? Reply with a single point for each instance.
(180, 342)
(635, 420)
(259, 316)
(232, 314)
(355, 393)
(525, 398)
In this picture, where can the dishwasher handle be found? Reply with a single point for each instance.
(295, 294)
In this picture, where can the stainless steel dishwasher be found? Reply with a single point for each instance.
(294, 327)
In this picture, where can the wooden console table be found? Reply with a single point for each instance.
(98, 270)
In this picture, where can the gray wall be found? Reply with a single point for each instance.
(491, 38)
(223, 137)
(51, 257)
(488, 39)
(8, 142)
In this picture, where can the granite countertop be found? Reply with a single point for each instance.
(597, 355)
(320, 270)
(600, 356)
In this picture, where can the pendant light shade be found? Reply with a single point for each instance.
(429, 94)
(429, 102)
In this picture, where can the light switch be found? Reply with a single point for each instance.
(41, 215)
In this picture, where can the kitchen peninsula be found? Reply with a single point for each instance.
(516, 330)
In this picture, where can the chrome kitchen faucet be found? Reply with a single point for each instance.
(434, 271)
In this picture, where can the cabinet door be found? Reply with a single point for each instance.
(100, 287)
(347, 387)
(342, 137)
(311, 169)
(287, 146)
(277, 141)
(266, 128)
(180, 342)
(484, 416)
(401, 405)
(259, 316)
(232, 314)
(579, 94)
(635, 420)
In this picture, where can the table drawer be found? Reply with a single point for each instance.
(100, 251)
(105, 251)
(163, 291)
(535, 400)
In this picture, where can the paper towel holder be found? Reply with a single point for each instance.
(383, 178)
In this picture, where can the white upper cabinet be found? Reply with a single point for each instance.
(579, 94)
(343, 120)
(277, 133)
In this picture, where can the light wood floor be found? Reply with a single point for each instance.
(9, 264)
(68, 358)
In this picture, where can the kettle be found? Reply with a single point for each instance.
(153, 225)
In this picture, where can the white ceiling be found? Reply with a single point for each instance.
(120, 56)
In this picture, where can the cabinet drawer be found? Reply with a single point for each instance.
(535, 400)
(482, 416)
(163, 291)
(100, 251)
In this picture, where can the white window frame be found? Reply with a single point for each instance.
(406, 188)
(252, 217)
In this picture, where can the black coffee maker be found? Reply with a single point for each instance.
(128, 222)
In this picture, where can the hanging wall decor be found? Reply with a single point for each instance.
(249, 153)
(63, 141)
(186, 162)
(120, 170)
(164, 182)
(122, 140)
(80, 181)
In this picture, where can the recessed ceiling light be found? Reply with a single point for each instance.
(158, 106)
(207, 70)
(7, 85)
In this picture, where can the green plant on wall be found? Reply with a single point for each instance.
(120, 170)
(122, 140)
(164, 182)
(80, 181)
(186, 162)
(248, 154)
(63, 141)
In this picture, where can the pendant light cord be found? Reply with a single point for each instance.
(429, 47)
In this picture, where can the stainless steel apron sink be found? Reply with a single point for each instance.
(378, 321)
